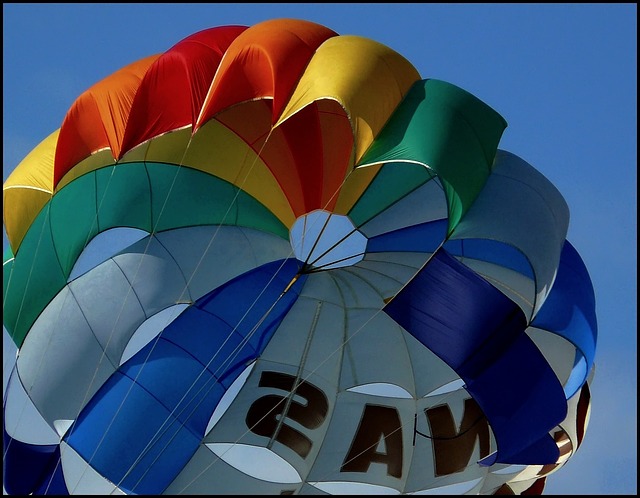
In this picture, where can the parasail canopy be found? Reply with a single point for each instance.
(276, 259)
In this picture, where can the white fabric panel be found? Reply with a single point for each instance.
(376, 352)
(345, 424)
(498, 475)
(61, 363)
(516, 286)
(233, 427)
(210, 255)
(422, 473)
(519, 206)
(569, 424)
(559, 353)
(430, 372)
(386, 278)
(110, 307)
(150, 329)
(352, 291)
(154, 275)
(462, 488)
(22, 420)
(80, 478)
(426, 203)
(207, 474)
(313, 332)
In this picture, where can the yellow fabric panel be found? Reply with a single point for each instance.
(28, 188)
(217, 150)
(168, 148)
(36, 170)
(18, 221)
(367, 78)
(95, 161)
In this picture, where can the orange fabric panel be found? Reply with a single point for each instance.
(266, 60)
(97, 119)
(174, 88)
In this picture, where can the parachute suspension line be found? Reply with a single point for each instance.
(337, 350)
(236, 352)
(356, 229)
(200, 394)
(15, 367)
(124, 300)
(40, 236)
(297, 382)
(231, 203)
(88, 237)
(315, 243)
(308, 264)
(317, 269)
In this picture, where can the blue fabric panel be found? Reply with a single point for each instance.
(425, 237)
(479, 333)
(218, 350)
(25, 466)
(570, 312)
(123, 423)
(491, 251)
(178, 381)
(158, 404)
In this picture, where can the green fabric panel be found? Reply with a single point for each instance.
(32, 280)
(127, 197)
(8, 254)
(392, 183)
(7, 268)
(450, 131)
(186, 197)
(124, 197)
(73, 220)
(253, 214)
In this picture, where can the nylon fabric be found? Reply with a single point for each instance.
(447, 130)
(97, 119)
(485, 343)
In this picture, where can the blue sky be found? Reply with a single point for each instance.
(564, 76)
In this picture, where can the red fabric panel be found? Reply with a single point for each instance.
(175, 86)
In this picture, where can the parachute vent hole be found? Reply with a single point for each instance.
(324, 240)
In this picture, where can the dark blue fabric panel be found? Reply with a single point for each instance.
(491, 251)
(160, 401)
(523, 400)
(479, 333)
(456, 313)
(425, 237)
(570, 311)
(26, 465)
(53, 483)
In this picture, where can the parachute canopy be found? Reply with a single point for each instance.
(275, 259)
